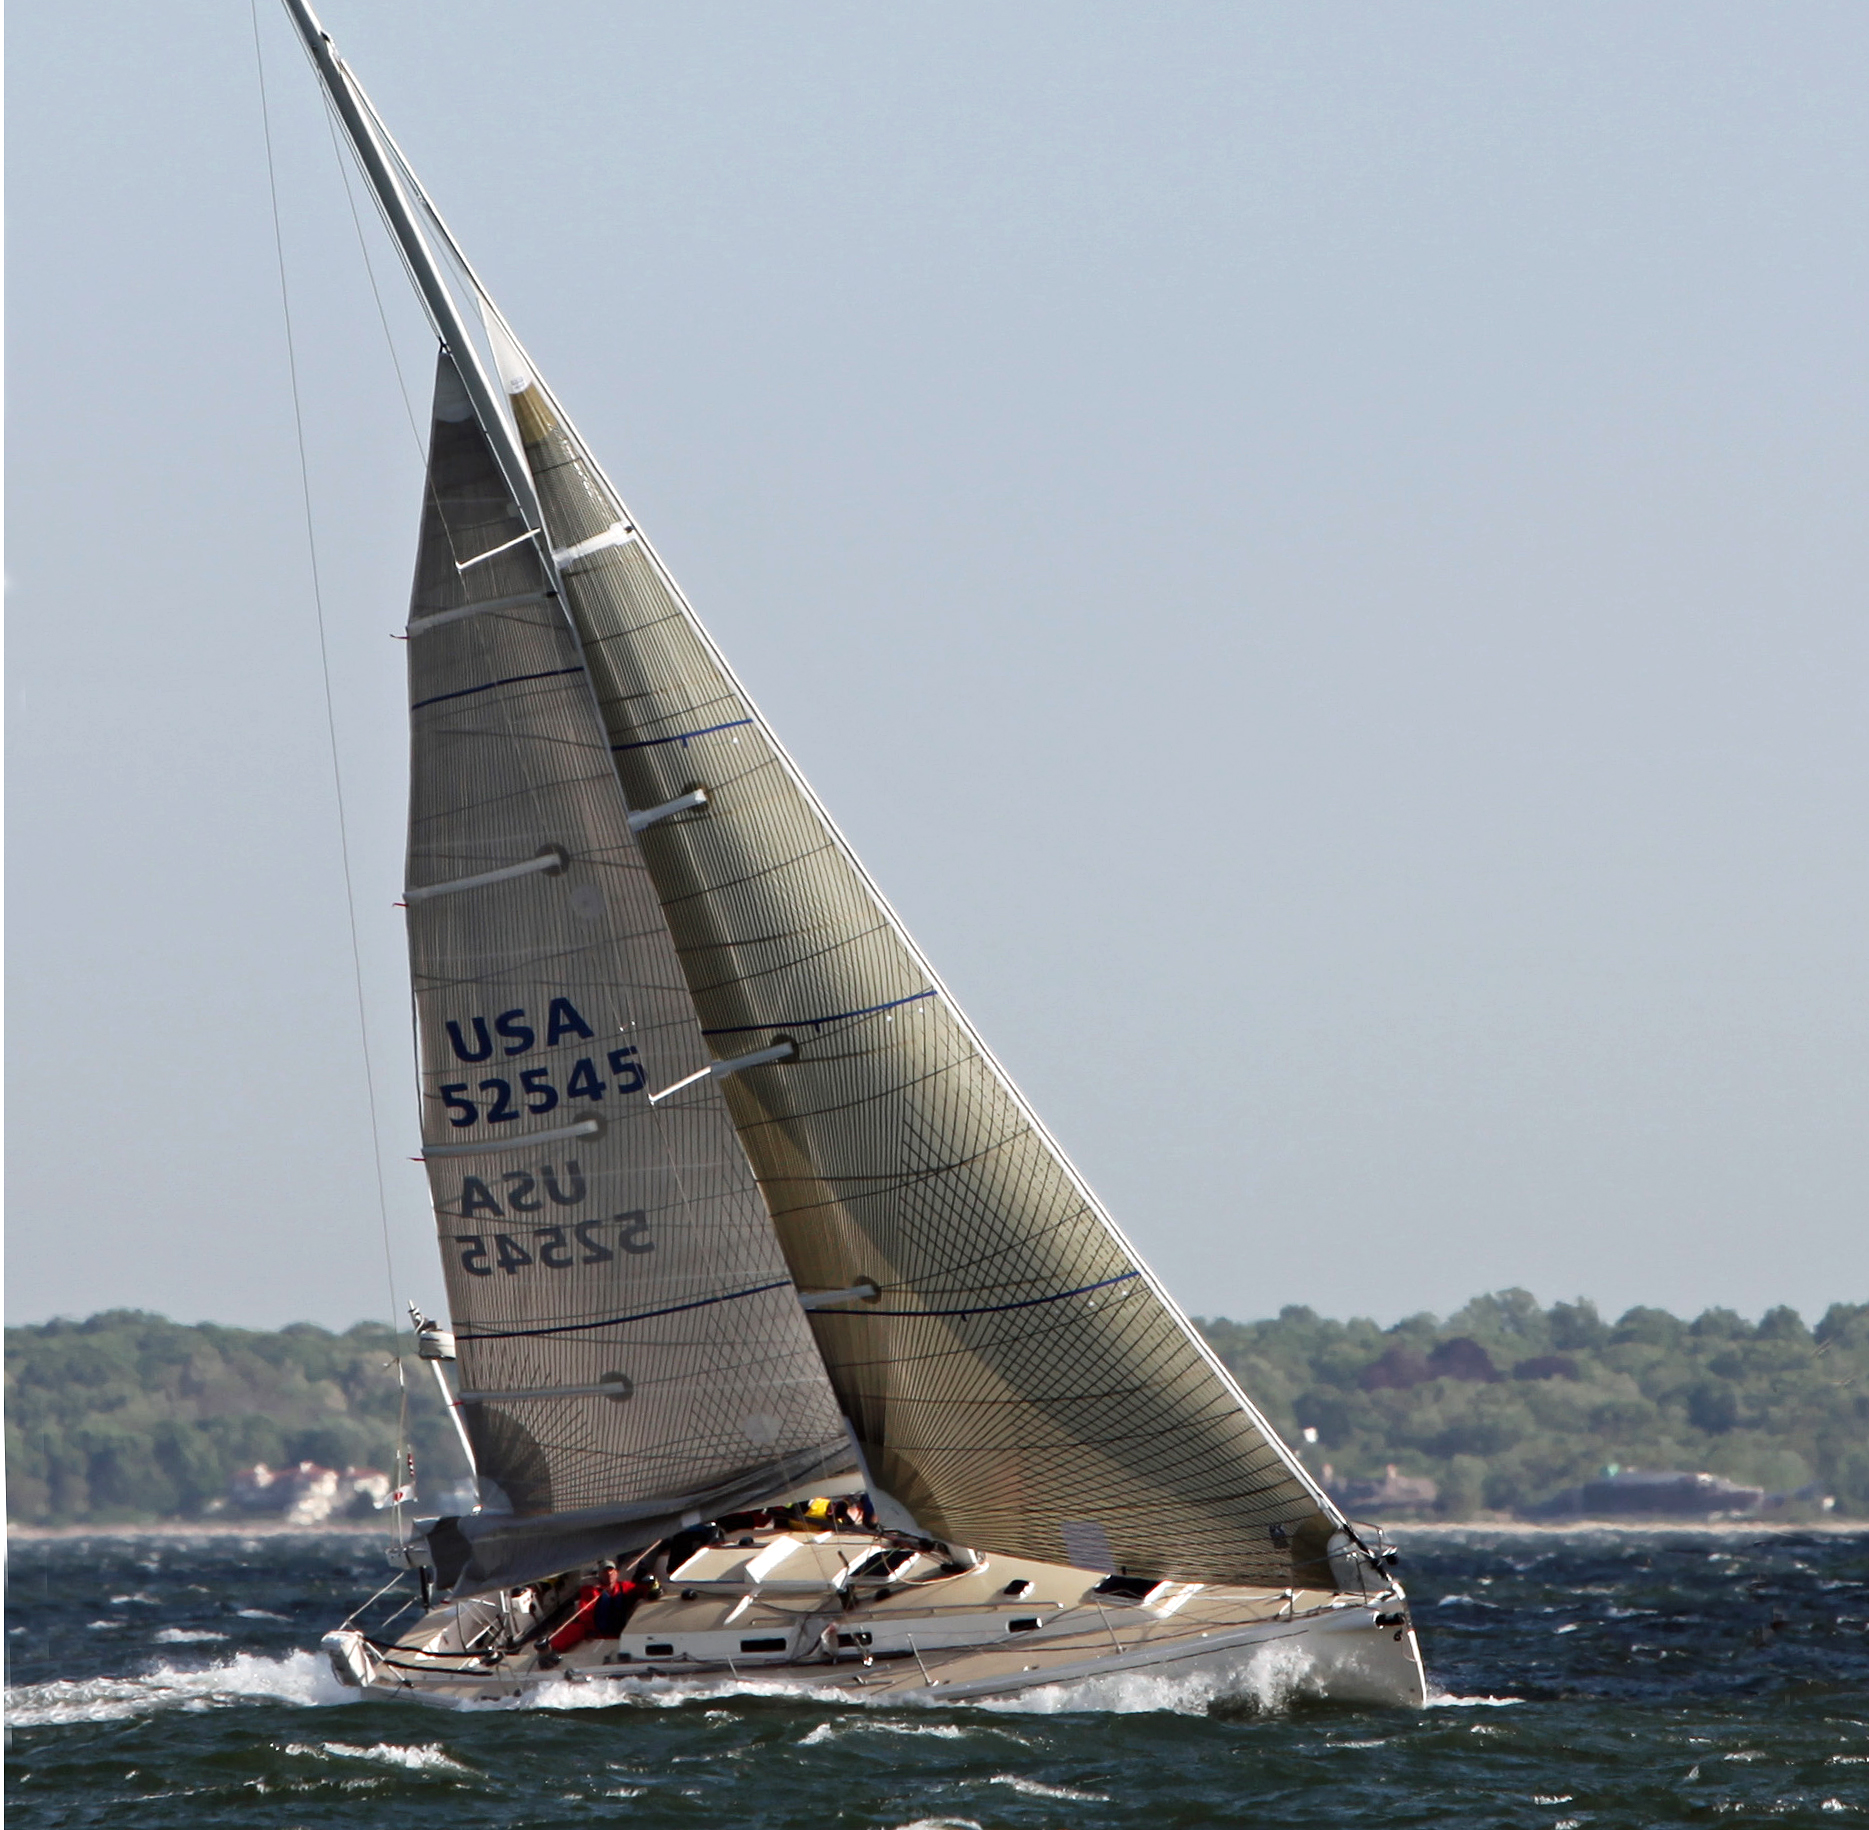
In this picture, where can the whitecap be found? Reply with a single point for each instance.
(299, 1678)
(843, 1726)
(1268, 1677)
(430, 1757)
(186, 1636)
(1441, 1700)
(260, 1614)
(659, 1693)
(1033, 1788)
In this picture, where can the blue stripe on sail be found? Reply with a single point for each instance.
(843, 1016)
(616, 1321)
(681, 737)
(467, 692)
(1030, 1302)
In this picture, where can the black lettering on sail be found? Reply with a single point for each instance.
(480, 1036)
(520, 1198)
(477, 1198)
(573, 1192)
(563, 1020)
(510, 1024)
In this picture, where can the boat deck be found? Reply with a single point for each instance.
(841, 1611)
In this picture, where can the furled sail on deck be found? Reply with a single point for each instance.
(632, 1350)
(1019, 1382)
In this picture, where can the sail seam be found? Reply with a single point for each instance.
(439, 619)
(649, 743)
(467, 692)
(616, 1321)
(843, 1016)
(1028, 1302)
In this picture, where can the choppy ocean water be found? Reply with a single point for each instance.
(1595, 1680)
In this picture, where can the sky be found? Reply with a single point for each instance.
(1317, 554)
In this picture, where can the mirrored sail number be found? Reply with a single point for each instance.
(535, 1093)
(555, 1248)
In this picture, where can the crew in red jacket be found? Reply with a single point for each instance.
(603, 1609)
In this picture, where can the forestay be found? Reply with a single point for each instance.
(632, 1350)
(1018, 1381)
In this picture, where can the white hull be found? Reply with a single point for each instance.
(937, 1636)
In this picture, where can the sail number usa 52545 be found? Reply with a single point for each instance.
(532, 1091)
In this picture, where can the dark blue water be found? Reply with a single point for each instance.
(1597, 1680)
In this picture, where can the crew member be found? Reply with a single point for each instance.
(603, 1607)
(617, 1601)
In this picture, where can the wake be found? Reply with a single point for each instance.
(1268, 1680)
(299, 1679)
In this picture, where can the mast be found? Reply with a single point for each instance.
(358, 121)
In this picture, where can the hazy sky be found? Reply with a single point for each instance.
(1317, 552)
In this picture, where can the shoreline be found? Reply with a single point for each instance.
(203, 1528)
(1525, 1528)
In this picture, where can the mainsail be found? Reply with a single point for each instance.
(632, 1349)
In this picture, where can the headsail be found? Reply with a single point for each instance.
(1020, 1382)
(631, 1344)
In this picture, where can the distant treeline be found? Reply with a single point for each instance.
(126, 1416)
(1506, 1404)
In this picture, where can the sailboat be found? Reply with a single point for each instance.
(786, 1343)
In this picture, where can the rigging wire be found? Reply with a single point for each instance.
(382, 317)
(369, 267)
(337, 771)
